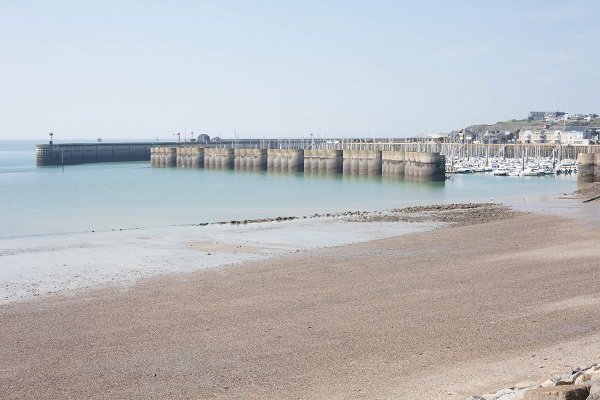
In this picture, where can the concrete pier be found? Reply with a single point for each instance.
(285, 160)
(80, 153)
(409, 165)
(414, 166)
(393, 163)
(588, 168)
(362, 162)
(250, 159)
(83, 153)
(163, 157)
(190, 157)
(323, 161)
(219, 158)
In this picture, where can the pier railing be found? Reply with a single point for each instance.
(448, 149)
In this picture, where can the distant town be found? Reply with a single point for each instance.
(540, 127)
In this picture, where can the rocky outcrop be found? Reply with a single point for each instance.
(582, 383)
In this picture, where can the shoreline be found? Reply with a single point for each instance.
(79, 261)
(438, 313)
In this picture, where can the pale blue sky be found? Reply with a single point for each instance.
(147, 69)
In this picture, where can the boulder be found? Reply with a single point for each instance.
(563, 392)
(594, 387)
(582, 379)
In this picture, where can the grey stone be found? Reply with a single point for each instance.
(526, 385)
(583, 378)
(548, 383)
(565, 380)
(594, 387)
(564, 392)
(516, 395)
(503, 392)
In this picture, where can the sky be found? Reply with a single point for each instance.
(149, 69)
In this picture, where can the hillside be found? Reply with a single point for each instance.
(515, 125)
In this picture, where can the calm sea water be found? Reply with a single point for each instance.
(48, 200)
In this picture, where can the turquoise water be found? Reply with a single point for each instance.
(48, 200)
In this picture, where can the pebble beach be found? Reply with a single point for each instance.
(479, 299)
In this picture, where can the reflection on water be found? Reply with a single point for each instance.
(127, 195)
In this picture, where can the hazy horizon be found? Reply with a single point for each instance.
(142, 70)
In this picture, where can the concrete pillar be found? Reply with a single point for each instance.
(180, 157)
(292, 161)
(308, 159)
(197, 157)
(374, 165)
(273, 160)
(334, 161)
(237, 159)
(586, 167)
(282, 161)
(295, 160)
(226, 158)
(322, 161)
(597, 172)
(170, 156)
(259, 161)
(153, 156)
(394, 162)
(210, 158)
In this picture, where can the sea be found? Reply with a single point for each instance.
(58, 200)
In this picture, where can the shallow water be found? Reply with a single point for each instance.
(81, 198)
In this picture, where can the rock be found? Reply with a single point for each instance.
(582, 379)
(526, 385)
(513, 395)
(576, 375)
(565, 380)
(503, 392)
(593, 397)
(548, 383)
(594, 387)
(584, 368)
(475, 398)
(563, 392)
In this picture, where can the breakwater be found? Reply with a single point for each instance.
(588, 168)
(397, 157)
(79, 153)
(409, 165)
(83, 153)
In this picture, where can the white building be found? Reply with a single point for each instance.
(576, 136)
(532, 136)
(573, 135)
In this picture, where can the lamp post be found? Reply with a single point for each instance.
(51, 141)
(178, 134)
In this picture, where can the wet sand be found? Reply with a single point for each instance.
(439, 315)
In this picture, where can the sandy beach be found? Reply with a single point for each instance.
(437, 314)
